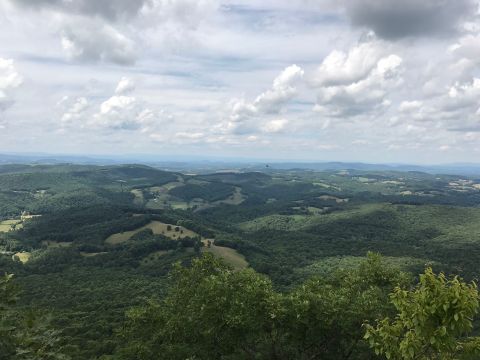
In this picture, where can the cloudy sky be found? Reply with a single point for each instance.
(356, 80)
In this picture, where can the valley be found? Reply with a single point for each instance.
(95, 241)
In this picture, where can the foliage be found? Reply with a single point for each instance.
(23, 334)
(212, 312)
(292, 226)
(432, 321)
(210, 192)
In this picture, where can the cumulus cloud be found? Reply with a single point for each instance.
(466, 52)
(10, 79)
(244, 117)
(125, 86)
(464, 94)
(393, 19)
(283, 90)
(275, 126)
(123, 111)
(340, 68)
(94, 41)
(119, 113)
(340, 94)
(188, 137)
(189, 12)
(409, 106)
(195, 55)
(108, 9)
(75, 111)
(109, 30)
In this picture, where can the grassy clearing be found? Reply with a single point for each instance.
(10, 225)
(138, 199)
(23, 257)
(161, 198)
(157, 227)
(235, 199)
(56, 244)
(87, 254)
(326, 186)
(231, 256)
(337, 199)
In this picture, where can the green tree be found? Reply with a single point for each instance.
(213, 312)
(325, 315)
(24, 335)
(8, 296)
(433, 321)
(210, 311)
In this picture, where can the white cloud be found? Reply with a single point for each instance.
(93, 41)
(462, 95)
(10, 79)
(245, 117)
(189, 136)
(110, 10)
(468, 47)
(209, 64)
(275, 126)
(409, 106)
(345, 95)
(122, 111)
(283, 90)
(75, 111)
(125, 86)
(340, 68)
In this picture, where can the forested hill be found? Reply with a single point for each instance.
(87, 243)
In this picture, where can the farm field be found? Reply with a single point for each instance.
(23, 256)
(230, 256)
(9, 225)
(157, 227)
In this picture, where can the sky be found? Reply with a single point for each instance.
(314, 80)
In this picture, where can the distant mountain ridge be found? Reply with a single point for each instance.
(196, 163)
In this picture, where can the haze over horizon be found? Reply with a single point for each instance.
(360, 80)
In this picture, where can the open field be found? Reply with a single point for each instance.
(56, 244)
(9, 225)
(87, 254)
(23, 256)
(235, 199)
(230, 256)
(138, 199)
(157, 227)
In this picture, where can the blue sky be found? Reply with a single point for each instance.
(322, 80)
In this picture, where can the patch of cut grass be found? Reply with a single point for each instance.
(87, 254)
(230, 256)
(139, 199)
(10, 225)
(56, 244)
(23, 257)
(157, 227)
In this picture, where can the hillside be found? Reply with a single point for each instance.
(87, 243)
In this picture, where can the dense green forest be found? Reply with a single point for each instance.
(269, 265)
